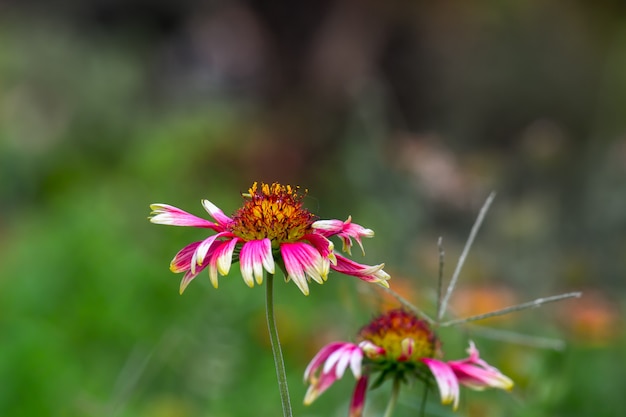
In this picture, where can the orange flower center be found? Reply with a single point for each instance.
(392, 332)
(274, 212)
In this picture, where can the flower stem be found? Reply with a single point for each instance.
(423, 405)
(391, 405)
(276, 350)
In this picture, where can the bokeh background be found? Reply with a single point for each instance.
(405, 115)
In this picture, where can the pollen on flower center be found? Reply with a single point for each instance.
(393, 329)
(272, 211)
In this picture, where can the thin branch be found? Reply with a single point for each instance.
(468, 245)
(518, 338)
(440, 277)
(531, 304)
(408, 304)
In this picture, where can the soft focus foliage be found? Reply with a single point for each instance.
(405, 116)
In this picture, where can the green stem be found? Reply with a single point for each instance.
(276, 350)
(391, 405)
(423, 406)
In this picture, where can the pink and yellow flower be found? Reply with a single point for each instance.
(399, 346)
(272, 227)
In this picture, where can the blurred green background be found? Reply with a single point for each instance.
(403, 114)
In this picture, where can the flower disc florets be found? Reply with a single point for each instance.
(402, 336)
(274, 212)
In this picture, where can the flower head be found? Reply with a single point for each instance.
(402, 347)
(401, 336)
(271, 227)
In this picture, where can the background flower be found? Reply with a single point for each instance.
(400, 347)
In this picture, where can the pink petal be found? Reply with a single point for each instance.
(478, 378)
(182, 260)
(205, 246)
(331, 363)
(345, 230)
(301, 258)
(295, 269)
(213, 272)
(323, 246)
(318, 388)
(334, 359)
(477, 374)
(364, 272)
(446, 380)
(225, 256)
(358, 398)
(328, 227)
(472, 351)
(185, 261)
(371, 350)
(255, 255)
(342, 357)
(353, 230)
(408, 346)
(222, 219)
(188, 277)
(173, 216)
(321, 357)
(356, 359)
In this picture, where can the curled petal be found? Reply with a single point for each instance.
(345, 230)
(353, 230)
(222, 219)
(173, 216)
(328, 227)
(371, 350)
(364, 272)
(408, 346)
(324, 246)
(446, 381)
(477, 374)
